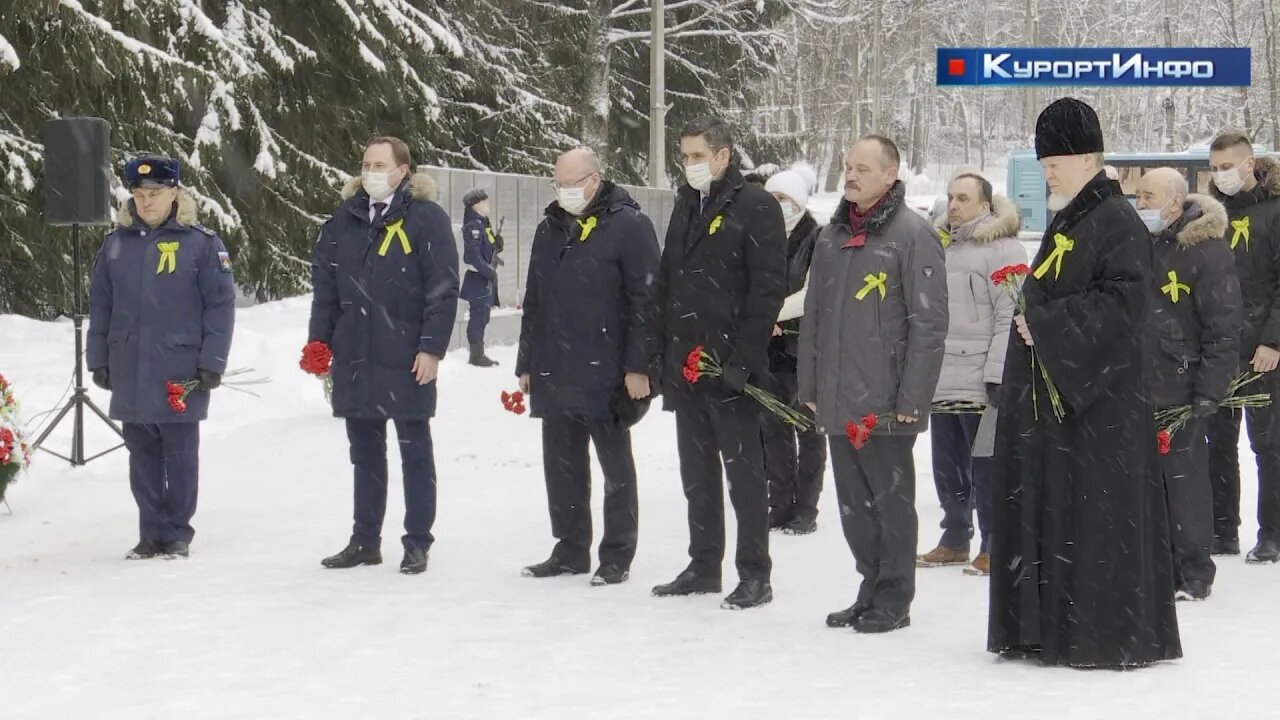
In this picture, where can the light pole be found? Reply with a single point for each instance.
(657, 96)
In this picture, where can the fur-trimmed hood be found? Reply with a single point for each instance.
(186, 214)
(1267, 172)
(422, 186)
(1203, 218)
(1003, 223)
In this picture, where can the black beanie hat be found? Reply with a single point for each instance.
(474, 196)
(1068, 127)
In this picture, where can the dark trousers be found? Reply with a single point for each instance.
(1224, 463)
(566, 463)
(794, 461)
(478, 319)
(1186, 485)
(876, 487)
(368, 438)
(708, 434)
(164, 474)
(963, 481)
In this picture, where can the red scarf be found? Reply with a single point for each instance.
(858, 222)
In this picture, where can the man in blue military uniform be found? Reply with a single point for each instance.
(161, 309)
(480, 286)
(385, 277)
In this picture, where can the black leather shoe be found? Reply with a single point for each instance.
(144, 550)
(879, 620)
(1193, 590)
(1266, 551)
(688, 583)
(846, 617)
(353, 555)
(414, 562)
(175, 549)
(1224, 546)
(553, 567)
(749, 594)
(610, 575)
(800, 526)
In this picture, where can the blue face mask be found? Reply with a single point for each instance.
(1151, 218)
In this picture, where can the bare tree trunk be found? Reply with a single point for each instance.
(596, 121)
(964, 126)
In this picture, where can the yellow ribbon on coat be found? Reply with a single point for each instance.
(874, 282)
(395, 230)
(1241, 228)
(489, 233)
(716, 222)
(587, 226)
(1061, 246)
(1175, 288)
(945, 236)
(168, 257)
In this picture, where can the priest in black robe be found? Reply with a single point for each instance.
(1081, 567)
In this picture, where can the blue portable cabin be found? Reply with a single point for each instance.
(1026, 187)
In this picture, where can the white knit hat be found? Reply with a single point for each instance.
(792, 184)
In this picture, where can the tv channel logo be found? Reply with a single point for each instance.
(1099, 67)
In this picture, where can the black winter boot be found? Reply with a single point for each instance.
(478, 358)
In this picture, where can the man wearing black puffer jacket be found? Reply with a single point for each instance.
(720, 287)
(1249, 187)
(1193, 341)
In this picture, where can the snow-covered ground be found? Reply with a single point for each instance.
(252, 627)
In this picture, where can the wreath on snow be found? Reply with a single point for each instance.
(15, 453)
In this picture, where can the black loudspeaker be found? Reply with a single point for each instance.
(77, 171)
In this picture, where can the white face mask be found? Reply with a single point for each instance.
(377, 184)
(1152, 219)
(572, 200)
(791, 214)
(1228, 181)
(699, 176)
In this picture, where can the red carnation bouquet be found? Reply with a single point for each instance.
(178, 390)
(699, 364)
(860, 432)
(15, 453)
(317, 359)
(1171, 420)
(513, 402)
(1010, 278)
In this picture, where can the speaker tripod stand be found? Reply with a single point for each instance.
(80, 399)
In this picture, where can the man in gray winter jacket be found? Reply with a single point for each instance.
(980, 236)
(871, 348)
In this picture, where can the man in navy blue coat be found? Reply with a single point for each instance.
(585, 344)
(385, 278)
(480, 285)
(161, 309)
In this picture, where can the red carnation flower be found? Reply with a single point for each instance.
(693, 364)
(316, 358)
(869, 421)
(518, 408)
(1164, 442)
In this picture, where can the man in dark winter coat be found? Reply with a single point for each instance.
(385, 275)
(1194, 346)
(161, 309)
(980, 236)
(794, 459)
(721, 284)
(1081, 568)
(480, 285)
(585, 343)
(1249, 187)
(871, 346)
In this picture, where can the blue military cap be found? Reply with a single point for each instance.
(152, 171)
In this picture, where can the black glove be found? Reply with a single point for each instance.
(993, 395)
(1203, 407)
(209, 380)
(735, 377)
(102, 378)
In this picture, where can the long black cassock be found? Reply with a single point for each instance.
(1081, 571)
